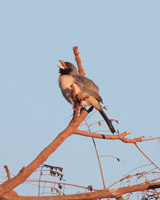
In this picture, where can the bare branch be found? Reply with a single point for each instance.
(105, 193)
(121, 136)
(42, 157)
(147, 156)
(98, 157)
(6, 189)
(78, 60)
(7, 171)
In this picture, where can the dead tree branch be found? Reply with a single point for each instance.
(121, 137)
(7, 187)
(7, 171)
(147, 157)
(42, 157)
(78, 60)
(105, 193)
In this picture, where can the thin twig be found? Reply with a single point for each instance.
(137, 168)
(146, 156)
(7, 171)
(118, 159)
(39, 186)
(121, 136)
(151, 139)
(62, 183)
(100, 166)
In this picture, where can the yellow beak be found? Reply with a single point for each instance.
(63, 66)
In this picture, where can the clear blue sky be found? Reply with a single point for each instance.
(119, 44)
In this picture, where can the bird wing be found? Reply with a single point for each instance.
(87, 86)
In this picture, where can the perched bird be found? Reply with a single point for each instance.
(86, 87)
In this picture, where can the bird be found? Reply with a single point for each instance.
(83, 85)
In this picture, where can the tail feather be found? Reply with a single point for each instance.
(108, 121)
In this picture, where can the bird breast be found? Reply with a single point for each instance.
(65, 82)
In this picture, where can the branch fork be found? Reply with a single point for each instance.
(7, 187)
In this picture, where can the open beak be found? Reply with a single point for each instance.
(63, 65)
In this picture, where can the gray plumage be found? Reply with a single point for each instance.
(68, 76)
(88, 86)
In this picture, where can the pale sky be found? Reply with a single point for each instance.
(119, 44)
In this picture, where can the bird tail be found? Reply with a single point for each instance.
(108, 121)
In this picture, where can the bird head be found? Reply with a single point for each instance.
(67, 68)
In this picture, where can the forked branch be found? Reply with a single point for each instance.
(7, 187)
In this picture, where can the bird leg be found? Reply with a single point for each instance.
(90, 109)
